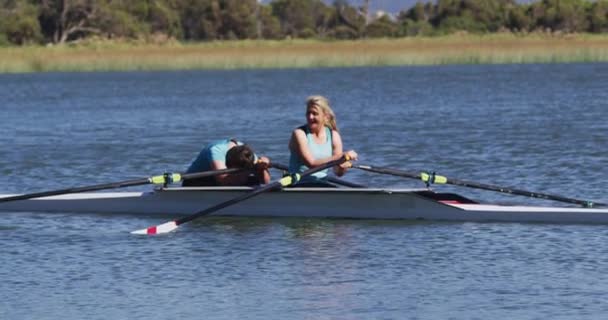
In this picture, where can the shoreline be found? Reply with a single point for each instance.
(507, 48)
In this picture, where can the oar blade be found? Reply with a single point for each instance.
(159, 229)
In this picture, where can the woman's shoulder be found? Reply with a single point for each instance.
(300, 130)
(219, 145)
(335, 136)
(219, 142)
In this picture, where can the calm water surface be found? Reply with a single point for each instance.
(534, 127)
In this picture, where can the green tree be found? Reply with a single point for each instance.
(238, 19)
(270, 25)
(223, 19)
(349, 21)
(323, 17)
(598, 16)
(62, 19)
(415, 20)
(113, 21)
(463, 22)
(518, 19)
(478, 16)
(3, 39)
(296, 16)
(562, 15)
(382, 27)
(444, 9)
(164, 18)
(200, 19)
(19, 23)
(492, 14)
(419, 12)
(411, 28)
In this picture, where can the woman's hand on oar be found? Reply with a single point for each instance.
(283, 182)
(430, 178)
(160, 180)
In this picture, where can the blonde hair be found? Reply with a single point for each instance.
(323, 104)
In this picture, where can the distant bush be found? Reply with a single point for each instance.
(165, 20)
(22, 29)
(411, 28)
(19, 24)
(122, 24)
(462, 23)
(307, 33)
(344, 32)
(382, 27)
(4, 40)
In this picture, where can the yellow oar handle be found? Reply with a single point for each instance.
(290, 179)
(166, 178)
(430, 178)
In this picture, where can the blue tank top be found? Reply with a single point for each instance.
(215, 151)
(319, 151)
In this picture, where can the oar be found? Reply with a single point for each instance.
(329, 178)
(160, 179)
(430, 178)
(283, 182)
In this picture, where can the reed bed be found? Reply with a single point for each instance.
(455, 49)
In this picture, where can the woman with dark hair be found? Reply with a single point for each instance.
(229, 153)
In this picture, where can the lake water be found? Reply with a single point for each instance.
(534, 127)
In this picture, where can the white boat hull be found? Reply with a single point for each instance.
(410, 204)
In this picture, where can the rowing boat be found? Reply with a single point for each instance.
(362, 203)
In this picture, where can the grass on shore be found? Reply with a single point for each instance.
(455, 49)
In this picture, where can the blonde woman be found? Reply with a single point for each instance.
(317, 142)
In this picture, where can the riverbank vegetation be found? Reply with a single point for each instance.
(454, 49)
(54, 35)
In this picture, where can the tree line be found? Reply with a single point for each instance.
(61, 21)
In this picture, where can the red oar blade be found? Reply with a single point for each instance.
(159, 229)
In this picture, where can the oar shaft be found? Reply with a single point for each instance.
(423, 175)
(283, 182)
(329, 178)
(388, 171)
(228, 203)
(194, 175)
(120, 184)
(97, 187)
(532, 194)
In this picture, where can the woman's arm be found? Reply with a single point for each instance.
(338, 152)
(299, 146)
(224, 179)
(262, 170)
